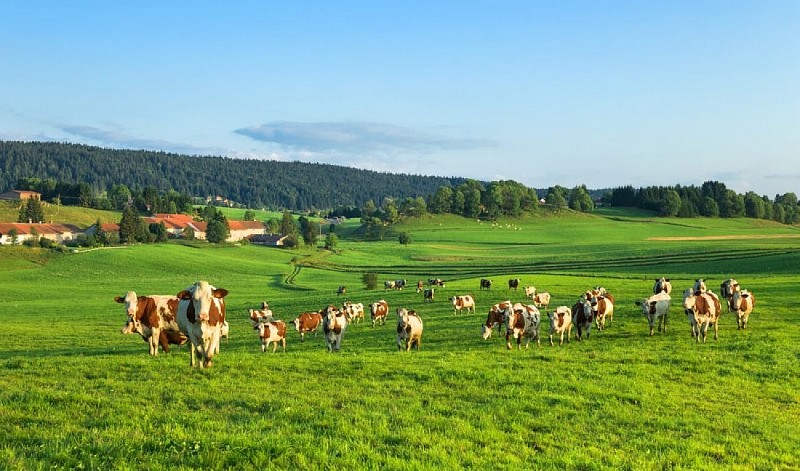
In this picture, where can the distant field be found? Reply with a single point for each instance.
(77, 394)
(82, 217)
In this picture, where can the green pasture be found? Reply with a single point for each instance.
(78, 394)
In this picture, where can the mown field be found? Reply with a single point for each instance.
(78, 394)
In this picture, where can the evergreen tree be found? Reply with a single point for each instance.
(216, 232)
(131, 227)
(288, 226)
(32, 211)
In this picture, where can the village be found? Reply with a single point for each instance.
(177, 227)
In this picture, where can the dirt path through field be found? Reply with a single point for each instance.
(731, 237)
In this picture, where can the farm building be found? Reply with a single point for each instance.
(20, 195)
(58, 233)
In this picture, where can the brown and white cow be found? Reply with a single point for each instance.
(201, 315)
(541, 300)
(272, 332)
(513, 283)
(260, 315)
(353, 311)
(662, 285)
(582, 318)
(603, 310)
(703, 310)
(727, 288)
(494, 318)
(149, 316)
(409, 329)
(522, 320)
(656, 307)
(436, 282)
(307, 322)
(560, 323)
(742, 304)
(334, 325)
(378, 311)
(463, 302)
(530, 291)
(420, 286)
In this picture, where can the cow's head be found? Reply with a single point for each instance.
(204, 298)
(131, 302)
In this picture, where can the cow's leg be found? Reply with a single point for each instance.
(508, 340)
(154, 341)
(716, 330)
(264, 344)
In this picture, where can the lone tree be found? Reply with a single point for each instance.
(404, 238)
(131, 227)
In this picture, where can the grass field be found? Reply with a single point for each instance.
(77, 394)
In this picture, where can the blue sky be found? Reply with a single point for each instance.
(601, 93)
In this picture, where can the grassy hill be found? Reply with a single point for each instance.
(79, 394)
(82, 217)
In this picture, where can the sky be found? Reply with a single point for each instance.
(562, 92)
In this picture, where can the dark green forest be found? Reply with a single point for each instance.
(253, 183)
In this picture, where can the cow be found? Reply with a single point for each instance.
(656, 307)
(742, 304)
(560, 323)
(699, 285)
(379, 311)
(201, 314)
(400, 284)
(342, 290)
(703, 310)
(334, 325)
(582, 318)
(258, 315)
(353, 311)
(409, 329)
(165, 339)
(463, 302)
(149, 316)
(726, 289)
(307, 322)
(522, 320)
(541, 300)
(428, 294)
(530, 291)
(436, 282)
(513, 283)
(388, 285)
(486, 284)
(494, 318)
(420, 286)
(662, 285)
(272, 332)
(603, 310)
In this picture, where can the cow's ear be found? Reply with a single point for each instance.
(638, 303)
(119, 299)
(220, 293)
(184, 295)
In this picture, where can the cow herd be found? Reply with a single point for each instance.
(197, 316)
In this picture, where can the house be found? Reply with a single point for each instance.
(20, 195)
(244, 229)
(58, 233)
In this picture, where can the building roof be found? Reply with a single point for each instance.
(20, 195)
(245, 225)
(41, 229)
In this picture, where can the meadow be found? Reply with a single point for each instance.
(78, 394)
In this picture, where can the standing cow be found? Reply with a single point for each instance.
(353, 311)
(582, 318)
(726, 289)
(742, 304)
(560, 323)
(541, 300)
(307, 322)
(272, 332)
(409, 329)
(201, 315)
(704, 310)
(513, 283)
(341, 290)
(494, 318)
(603, 310)
(465, 302)
(656, 307)
(153, 318)
(530, 291)
(522, 320)
(378, 311)
(486, 284)
(428, 294)
(662, 285)
(334, 325)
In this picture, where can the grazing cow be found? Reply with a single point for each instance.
(334, 325)
(400, 284)
(486, 284)
(530, 291)
(259, 315)
(379, 310)
(428, 294)
(272, 332)
(726, 289)
(388, 285)
(522, 320)
(656, 307)
(463, 302)
(603, 310)
(560, 323)
(166, 337)
(541, 300)
(699, 285)
(420, 286)
(307, 322)
(494, 318)
(409, 329)
(582, 318)
(436, 282)
(662, 285)
(513, 283)
(201, 314)
(703, 310)
(353, 311)
(149, 316)
(341, 290)
(742, 304)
